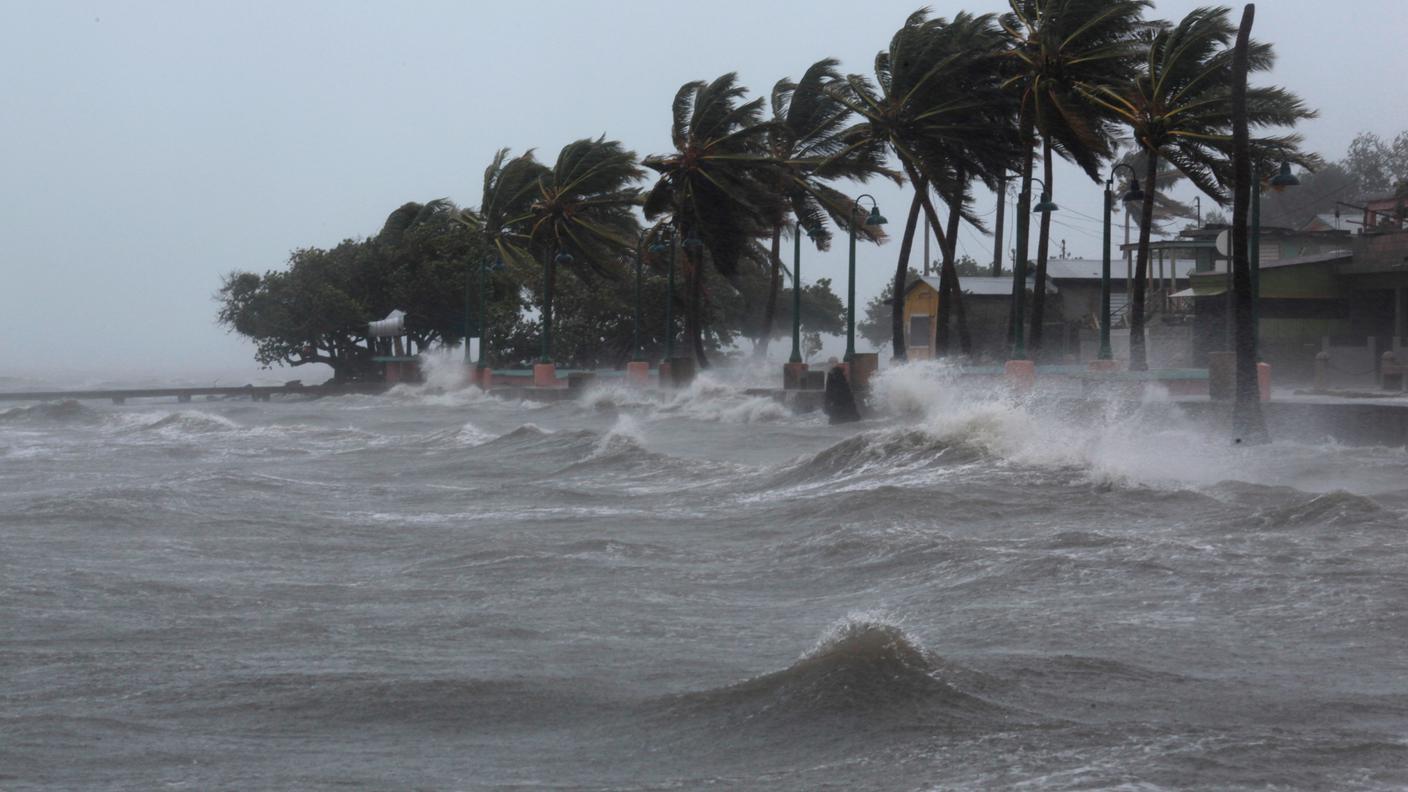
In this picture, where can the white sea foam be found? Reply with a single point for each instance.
(1152, 444)
(624, 435)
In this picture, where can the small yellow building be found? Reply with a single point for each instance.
(921, 311)
(986, 302)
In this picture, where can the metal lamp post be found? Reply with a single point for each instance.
(666, 241)
(1019, 273)
(635, 318)
(797, 293)
(1134, 194)
(468, 301)
(874, 219)
(1283, 179)
(563, 259)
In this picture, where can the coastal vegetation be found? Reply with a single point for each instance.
(953, 104)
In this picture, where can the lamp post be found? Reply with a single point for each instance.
(874, 219)
(1019, 273)
(468, 300)
(635, 318)
(1283, 179)
(666, 241)
(1134, 194)
(563, 259)
(797, 293)
(485, 265)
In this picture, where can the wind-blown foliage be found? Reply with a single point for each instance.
(717, 186)
(317, 310)
(808, 139)
(1054, 47)
(937, 104)
(1179, 108)
(583, 206)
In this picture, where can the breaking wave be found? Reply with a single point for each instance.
(67, 411)
(182, 422)
(863, 666)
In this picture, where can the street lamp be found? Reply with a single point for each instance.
(1134, 194)
(666, 241)
(797, 291)
(1283, 179)
(874, 219)
(484, 264)
(636, 355)
(563, 259)
(1019, 272)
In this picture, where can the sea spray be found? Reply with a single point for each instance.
(625, 435)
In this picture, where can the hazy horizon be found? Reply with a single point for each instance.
(154, 147)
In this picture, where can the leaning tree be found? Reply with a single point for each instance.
(718, 187)
(936, 104)
(808, 139)
(1053, 47)
(1179, 109)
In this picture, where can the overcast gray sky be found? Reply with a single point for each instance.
(149, 147)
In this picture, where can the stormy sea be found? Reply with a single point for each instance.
(435, 588)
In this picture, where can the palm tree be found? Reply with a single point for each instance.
(807, 139)
(583, 215)
(718, 186)
(1056, 45)
(580, 210)
(936, 104)
(510, 186)
(1247, 420)
(1179, 109)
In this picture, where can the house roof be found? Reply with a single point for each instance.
(980, 285)
(1333, 221)
(1209, 284)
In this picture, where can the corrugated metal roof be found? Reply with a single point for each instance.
(982, 285)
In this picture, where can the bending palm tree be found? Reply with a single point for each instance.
(717, 186)
(807, 140)
(583, 214)
(510, 186)
(1056, 45)
(936, 103)
(1179, 108)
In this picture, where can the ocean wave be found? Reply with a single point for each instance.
(890, 452)
(179, 423)
(1331, 509)
(68, 411)
(865, 667)
(711, 400)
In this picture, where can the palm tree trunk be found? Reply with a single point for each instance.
(694, 318)
(1043, 247)
(949, 294)
(1248, 423)
(1024, 213)
(549, 289)
(941, 334)
(950, 252)
(902, 275)
(1138, 356)
(760, 348)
